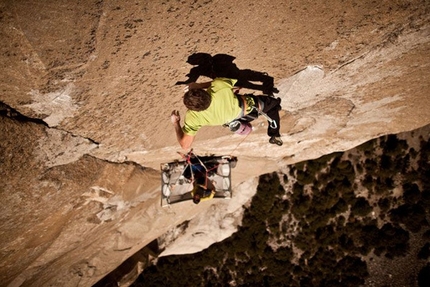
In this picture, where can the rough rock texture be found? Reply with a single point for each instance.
(87, 88)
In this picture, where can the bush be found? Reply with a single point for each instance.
(411, 193)
(361, 207)
(424, 253)
(424, 276)
(413, 216)
(392, 145)
(384, 204)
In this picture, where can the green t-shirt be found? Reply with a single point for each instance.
(223, 109)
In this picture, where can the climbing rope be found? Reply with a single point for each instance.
(244, 138)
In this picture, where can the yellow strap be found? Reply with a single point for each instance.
(245, 104)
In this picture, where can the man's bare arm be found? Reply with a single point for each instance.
(184, 140)
(195, 86)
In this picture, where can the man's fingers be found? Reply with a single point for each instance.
(174, 117)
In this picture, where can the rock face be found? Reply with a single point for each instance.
(86, 93)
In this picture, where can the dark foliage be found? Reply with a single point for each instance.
(361, 207)
(424, 276)
(424, 252)
(413, 216)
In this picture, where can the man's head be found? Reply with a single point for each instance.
(196, 198)
(197, 100)
(199, 191)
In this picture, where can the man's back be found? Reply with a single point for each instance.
(223, 108)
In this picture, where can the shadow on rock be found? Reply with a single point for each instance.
(221, 65)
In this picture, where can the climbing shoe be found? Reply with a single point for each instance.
(276, 140)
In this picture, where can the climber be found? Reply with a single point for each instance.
(215, 104)
(203, 189)
(197, 171)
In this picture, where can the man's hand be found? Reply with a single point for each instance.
(175, 117)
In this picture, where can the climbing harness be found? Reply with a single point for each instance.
(251, 108)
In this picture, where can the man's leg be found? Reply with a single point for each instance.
(271, 109)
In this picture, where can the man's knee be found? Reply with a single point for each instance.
(271, 103)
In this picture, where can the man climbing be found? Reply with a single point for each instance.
(219, 105)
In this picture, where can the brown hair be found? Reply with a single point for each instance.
(196, 198)
(198, 194)
(197, 100)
